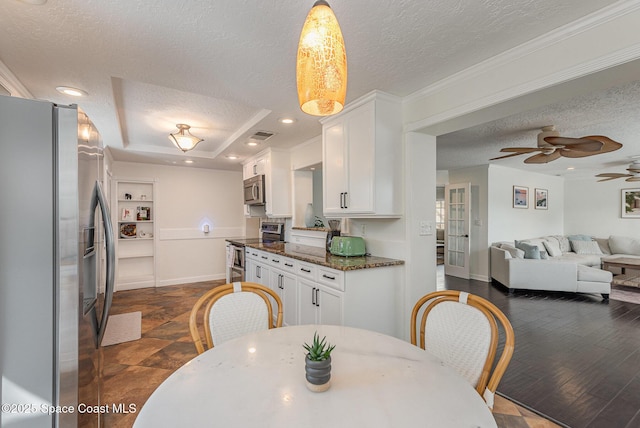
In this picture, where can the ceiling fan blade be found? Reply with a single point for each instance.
(633, 169)
(608, 145)
(543, 158)
(518, 151)
(576, 153)
(633, 179)
(565, 141)
(606, 176)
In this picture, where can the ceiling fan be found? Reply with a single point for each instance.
(552, 146)
(634, 173)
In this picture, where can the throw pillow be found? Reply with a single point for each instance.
(530, 251)
(603, 243)
(624, 245)
(516, 253)
(565, 246)
(585, 247)
(553, 248)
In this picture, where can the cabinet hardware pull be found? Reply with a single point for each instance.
(345, 200)
(264, 257)
(305, 270)
(313, 296)
(288, 265)
(333, 278)
(275, 261)
(257, 271)
(341, 199)
(317, 300)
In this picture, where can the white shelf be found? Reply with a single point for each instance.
(135, 256)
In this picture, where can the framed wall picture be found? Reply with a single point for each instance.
(630, 203)
(542, 199)
(520, 197)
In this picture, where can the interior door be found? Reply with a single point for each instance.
(457, 218)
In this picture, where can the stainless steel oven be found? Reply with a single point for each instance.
(254, 190)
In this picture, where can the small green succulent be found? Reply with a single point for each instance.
(320, 350)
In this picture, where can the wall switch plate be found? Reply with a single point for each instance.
(425, 228)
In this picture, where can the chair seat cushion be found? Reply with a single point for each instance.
(590, 274)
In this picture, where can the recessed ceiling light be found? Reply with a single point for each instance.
(188, 161)
(232, 157)
(36, 2)
(287, 120)
(74, 92)
(252, 143)
(571, 168)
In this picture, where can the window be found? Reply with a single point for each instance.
(440, 214)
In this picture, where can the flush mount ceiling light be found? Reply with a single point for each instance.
(287, 120)
(74, 92)
(183, 139)
(321, 66)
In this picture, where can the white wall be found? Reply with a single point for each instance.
(507, 223)
(185, 199)
(594, 208)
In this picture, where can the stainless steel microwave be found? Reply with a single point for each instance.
(254, 190)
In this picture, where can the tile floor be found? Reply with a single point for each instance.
(133, 370)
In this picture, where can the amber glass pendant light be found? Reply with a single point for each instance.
(321, 68)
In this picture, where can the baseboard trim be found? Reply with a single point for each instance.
(482, 278)
(188, 280)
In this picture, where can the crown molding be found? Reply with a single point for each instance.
(581, 25)
(11, 83)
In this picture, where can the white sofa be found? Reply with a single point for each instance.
(563, 270)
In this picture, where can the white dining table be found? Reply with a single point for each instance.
(258, 380)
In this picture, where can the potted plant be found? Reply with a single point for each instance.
(318, 364)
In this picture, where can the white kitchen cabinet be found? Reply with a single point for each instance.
(319, 304)
(134, 213)
(316, 294)
(255, 166)
(362, 159)
(286, 287)
(276, 166)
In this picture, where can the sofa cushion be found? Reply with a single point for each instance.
(591, 274)
(516, 253)
(553, 248)
(531, 251)
(624, 245)
(581, 259)
(585, 247)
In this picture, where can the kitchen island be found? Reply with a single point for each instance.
(319, 288)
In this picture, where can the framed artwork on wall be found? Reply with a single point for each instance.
(542, 199)
(630, 203)
(520, 197)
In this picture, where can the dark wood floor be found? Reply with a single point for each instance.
(576, 359)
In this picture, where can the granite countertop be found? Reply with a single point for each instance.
(320, 257)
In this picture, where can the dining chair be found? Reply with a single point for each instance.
(232, 310)
(462, 330)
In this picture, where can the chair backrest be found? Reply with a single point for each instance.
(462, 330)
(232, 310)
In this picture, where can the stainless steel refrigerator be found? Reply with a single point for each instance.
(56, 265)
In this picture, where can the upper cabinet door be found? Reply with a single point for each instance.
(333, 164)
(362, 159)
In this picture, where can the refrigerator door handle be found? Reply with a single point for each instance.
(98, 200)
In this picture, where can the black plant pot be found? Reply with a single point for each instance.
(318, 374)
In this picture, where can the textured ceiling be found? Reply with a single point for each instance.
(227, 67)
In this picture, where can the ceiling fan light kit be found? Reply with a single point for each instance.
(183, 139)
(321, 66)
(552, 146)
